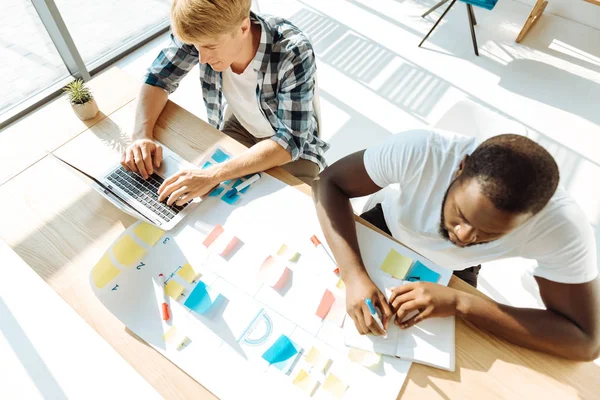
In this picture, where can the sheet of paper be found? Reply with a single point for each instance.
(318, 361)
(396, 264)
(104, 271)
(213, 235)
(365, 358)
(148, 233)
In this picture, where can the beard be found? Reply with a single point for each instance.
(443, 231)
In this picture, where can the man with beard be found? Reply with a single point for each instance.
(460, 204)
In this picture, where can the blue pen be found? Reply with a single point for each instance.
(375, 316)
(233, 191)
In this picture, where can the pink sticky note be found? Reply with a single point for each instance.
(337, 313)
(283, 279)
(326, 302)
(273, 273)
(231, 247)
(213, 235)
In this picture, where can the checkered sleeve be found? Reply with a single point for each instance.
(171, 65)
(296, 119)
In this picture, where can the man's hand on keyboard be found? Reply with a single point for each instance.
(142, 156)
(186, 185)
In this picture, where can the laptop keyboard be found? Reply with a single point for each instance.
(145, 192)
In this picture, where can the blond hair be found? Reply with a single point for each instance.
(193, 20)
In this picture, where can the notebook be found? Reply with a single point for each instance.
(430, 342)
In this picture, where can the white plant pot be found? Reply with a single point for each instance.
(87, 110)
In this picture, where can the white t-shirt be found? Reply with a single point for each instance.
(420, 165)
(240, 93)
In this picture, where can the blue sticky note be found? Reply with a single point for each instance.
(216, 191)
(207, 164)
(282, 354)
(231, 200)
(239, 182)
(420, 273)
(220, 156)
(227, 182)
(202, 299)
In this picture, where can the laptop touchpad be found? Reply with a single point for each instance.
(169, 166)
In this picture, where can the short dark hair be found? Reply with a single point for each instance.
(514, 172)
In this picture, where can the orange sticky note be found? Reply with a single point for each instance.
(231, 247)
(326, 302)
(213, 235)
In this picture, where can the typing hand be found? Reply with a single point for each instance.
(358, 289)
(432, 300)
(142, 156)
(186, 185)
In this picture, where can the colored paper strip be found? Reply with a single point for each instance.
(202, 299)
(231, 200)
(305, 382)
(188, 273)
(207, 165)
(213, 235)
(104, 271)
(148, 233)
(171, 334)
(419, 272)
(220, 156)
(334, 386)
(365, 358)
(325, 305)
(127, 251)
(173, 289)
(337, 313)
(396, 264)
(282, 250)
(231, 247)
(318, 361)
(341, 285)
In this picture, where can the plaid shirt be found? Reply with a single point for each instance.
(286, 68)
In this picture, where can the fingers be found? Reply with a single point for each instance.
(177, 194)
(158, 156)
(386, 310)
(147, 159)
(359, 322)
(400, 290)
(372, 325)
(399, 300)
(167, 186)
(129, 161)
(417, 318)
(405, 309)
(185, 198)
(139, 162)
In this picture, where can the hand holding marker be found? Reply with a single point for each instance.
(375, 316)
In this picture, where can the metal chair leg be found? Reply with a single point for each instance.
(437, 22)
(470, 7)
(441, 3)
(472, 25)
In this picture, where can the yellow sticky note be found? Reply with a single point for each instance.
(282, 250)
(188, 273)
(335, 386)
(148, 233)
(305, 382)
(294, 257)
(365, 358)
(127, 251)
(170, 335)
(341, 285)
(317, 361)
(104, 271)
(173, 289)
(396, 264)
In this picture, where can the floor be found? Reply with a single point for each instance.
(375, 82)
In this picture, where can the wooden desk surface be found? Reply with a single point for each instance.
(61, 227)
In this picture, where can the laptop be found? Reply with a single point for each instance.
(137, 196)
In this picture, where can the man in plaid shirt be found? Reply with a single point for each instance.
(262, 68)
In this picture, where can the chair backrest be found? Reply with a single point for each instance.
(487, 4)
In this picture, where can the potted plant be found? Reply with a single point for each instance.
(81, 100)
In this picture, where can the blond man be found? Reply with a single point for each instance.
(262, 68)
